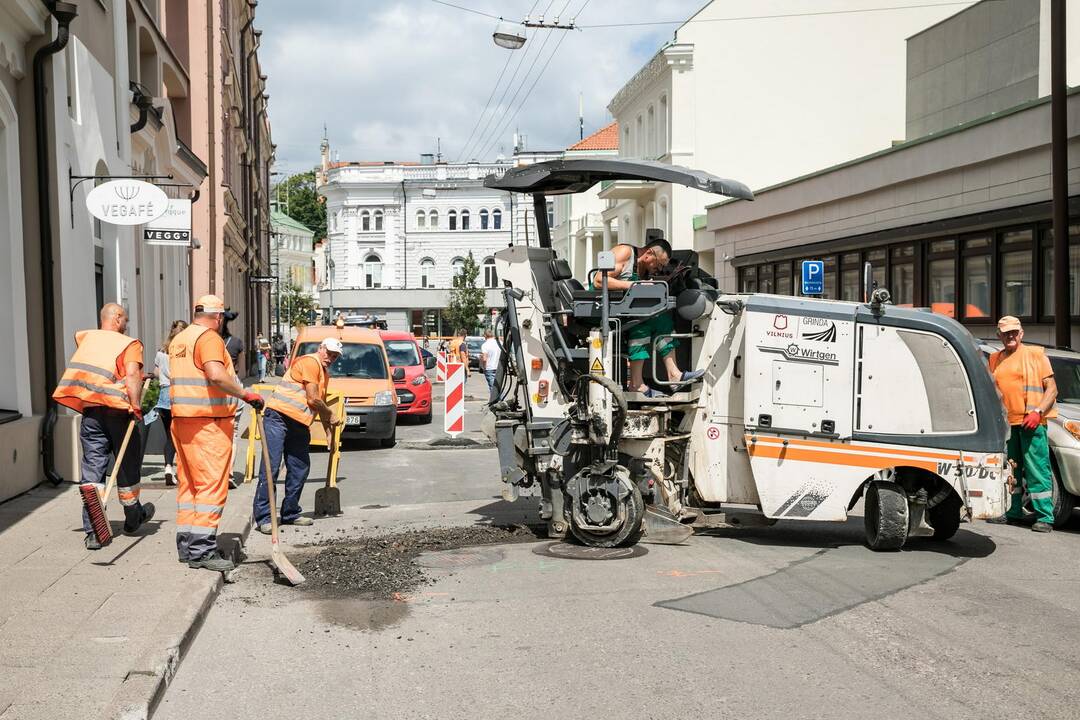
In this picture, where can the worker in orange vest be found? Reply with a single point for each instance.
(290, 410)
(103, 381)
(204, 394)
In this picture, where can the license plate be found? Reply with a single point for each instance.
(352, 419)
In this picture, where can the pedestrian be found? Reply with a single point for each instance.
(262, 346)
(164, 406)
(204, 394)
(233, 345)
(103, 381)
(1026, 382)
(490, 353)
(290, 410)
(459, 350)
(281, 351)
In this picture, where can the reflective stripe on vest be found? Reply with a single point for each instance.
(289, 397)
(90, 377)
(190, 392)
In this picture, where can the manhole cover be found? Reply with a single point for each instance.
(569, 551)
(464, 557)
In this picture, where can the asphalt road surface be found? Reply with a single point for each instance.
(791, 621)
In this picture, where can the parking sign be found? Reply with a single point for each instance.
(813, 277)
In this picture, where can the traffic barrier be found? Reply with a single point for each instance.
(440, 367)
(335, 400)
(454, 400)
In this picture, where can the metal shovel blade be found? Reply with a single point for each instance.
(284, 566)
(328, 501)
(663, 528)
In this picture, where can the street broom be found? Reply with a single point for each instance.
(95, 504)
(277, 557)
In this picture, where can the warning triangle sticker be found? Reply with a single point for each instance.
(597, 366)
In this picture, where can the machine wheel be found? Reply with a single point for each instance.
(945, 517)
(390, 441)
(886, 515)
(627, 534)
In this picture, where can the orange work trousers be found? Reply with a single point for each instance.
(204, 459)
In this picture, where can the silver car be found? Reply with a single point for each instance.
(1062, 432)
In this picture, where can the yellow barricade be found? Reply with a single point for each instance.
(335, 400)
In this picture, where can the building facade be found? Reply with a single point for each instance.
(292, 259)
(117, 100)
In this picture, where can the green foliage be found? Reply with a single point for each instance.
(150, 397)
(298, 193)
(467, 302)
(297, 306)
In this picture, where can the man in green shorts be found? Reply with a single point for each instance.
(632, 264)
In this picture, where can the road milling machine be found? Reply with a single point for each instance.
(806, 405)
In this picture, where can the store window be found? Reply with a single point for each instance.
(850, 274)
(1048, 271)
(830, 278)
(977, 278)
(783, 279)
(765, 279)
(748, 280)
(902, 269)
(876, 258)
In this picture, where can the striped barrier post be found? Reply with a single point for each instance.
(454, 400)
(440, 367)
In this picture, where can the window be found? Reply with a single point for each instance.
(650, 130)
(496, 219)
(365, 221)
(977, 277)
(765, 279)
(491, 278)
(830, 277)
(359, 360)
(639, 140)
(433, 220)
(1048, 271)
(662, 135)
(464, 219)
(876, 258)
(551, 213)
(402, 353)
(373, 271)
(378, 220)
(941, 277)
(483, 219)
(457, 270)
(421, 219)
(783, 278)
(748, 280)
(427, 273)
(452, 216)
(850, 278)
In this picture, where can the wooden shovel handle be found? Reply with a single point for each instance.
(269, 480)
(119, 460)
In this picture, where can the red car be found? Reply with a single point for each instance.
(414, 391)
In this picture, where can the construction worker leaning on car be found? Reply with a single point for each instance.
(204, 393)
(1026, 381)
(290, 410)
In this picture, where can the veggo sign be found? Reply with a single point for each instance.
(127, 202)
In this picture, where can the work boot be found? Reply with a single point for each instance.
(1004, 520)
(233, 482)
(264, 528)
(1042, 527)
(147, 514)
(92, 542)
(300, 521)
(212, 561)
(170, 476)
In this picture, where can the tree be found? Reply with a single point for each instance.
(297, 306)
(467, 302)
(298, 193)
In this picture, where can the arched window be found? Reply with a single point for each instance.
(650, 130)
(452, 216)
(433, 220)
(373, 271)
(491, 278)
(427, 273)
(496, 219)
(483, 219)
(421, 219)
(365, 221)
(464, 219)
(457, 270)
(662, 134)
(378, 221)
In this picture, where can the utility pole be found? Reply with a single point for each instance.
(1059, 174)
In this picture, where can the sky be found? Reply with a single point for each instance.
(390, 77)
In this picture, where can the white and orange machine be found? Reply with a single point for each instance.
(806, 405)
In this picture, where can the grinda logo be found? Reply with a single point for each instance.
(826, 335)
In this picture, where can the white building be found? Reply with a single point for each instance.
(758, 101)
(399, 232)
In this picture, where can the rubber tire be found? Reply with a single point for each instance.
(885, 516)
(945, 517)
(628, 533)
(390, 441)
(425, 419)
(1064, 502)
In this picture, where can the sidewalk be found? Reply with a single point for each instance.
(99, 634)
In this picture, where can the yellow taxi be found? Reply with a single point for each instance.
(362, 374)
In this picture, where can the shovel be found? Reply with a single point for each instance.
(662, 527)
(277, 557)
(328, 497)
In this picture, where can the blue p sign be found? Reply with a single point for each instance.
(813, 277)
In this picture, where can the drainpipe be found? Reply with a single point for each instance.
(64, 14)
(144, 101)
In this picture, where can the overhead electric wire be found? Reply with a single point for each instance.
(525, 99)
(849, 11)
(487, 104)
(466, 9)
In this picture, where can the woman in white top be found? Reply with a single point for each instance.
(164, 404)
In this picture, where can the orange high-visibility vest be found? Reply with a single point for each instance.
(90, 377)
(289, 397)
(191, 393)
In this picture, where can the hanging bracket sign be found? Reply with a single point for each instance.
(127, 202)
(172, 228)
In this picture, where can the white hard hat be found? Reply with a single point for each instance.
(333, 345)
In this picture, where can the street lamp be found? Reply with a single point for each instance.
(511, 35)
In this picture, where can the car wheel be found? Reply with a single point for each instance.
(425, 419)
(1064, 501)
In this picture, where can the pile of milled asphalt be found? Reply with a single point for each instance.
(379, 566)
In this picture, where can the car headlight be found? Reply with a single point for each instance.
(1072, 426)
(419, 380)
(385, 397)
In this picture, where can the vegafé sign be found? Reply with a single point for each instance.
(127, 202)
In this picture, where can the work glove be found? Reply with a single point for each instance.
(253, 399)
(1032, 420)
(137, 414)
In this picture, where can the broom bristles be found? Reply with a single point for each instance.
(99, 521)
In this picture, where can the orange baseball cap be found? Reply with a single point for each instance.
(1008, 324)
(210, 304)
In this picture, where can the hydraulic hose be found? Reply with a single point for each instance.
(618, 418)
(64, 14)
